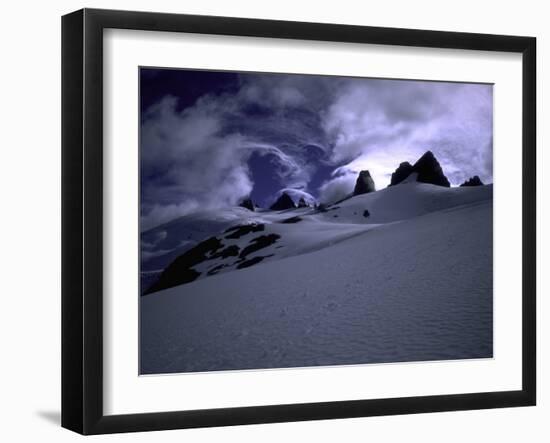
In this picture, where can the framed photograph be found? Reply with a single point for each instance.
(269, 221)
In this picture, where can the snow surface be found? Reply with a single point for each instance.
(412, 281)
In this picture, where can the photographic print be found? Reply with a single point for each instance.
(291, 220)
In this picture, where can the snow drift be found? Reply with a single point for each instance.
(401, 274)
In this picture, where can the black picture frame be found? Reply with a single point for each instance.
(82, 218)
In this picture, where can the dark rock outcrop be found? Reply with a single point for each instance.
(261, 242)
(181, 271)
(428, 169)
(401, 173)
(242, 230)
(230, 251)
(302, 203)
(283, 202)
(291, 220)
(216, 269)
(321, 207)
(247, 203)
(364, 184)
(473, 181)
(366, 213)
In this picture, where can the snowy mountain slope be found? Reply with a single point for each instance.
(162, 244)
(405, 201)
(281, 234)
(413, 281)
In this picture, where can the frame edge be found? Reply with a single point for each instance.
(72, 221)
(81, 223)
(529, 220)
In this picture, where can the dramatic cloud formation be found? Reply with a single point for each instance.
(209, 141)
(378, 123)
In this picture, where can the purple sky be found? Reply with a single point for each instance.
(208, 139)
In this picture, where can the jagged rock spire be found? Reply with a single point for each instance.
(283, 202)
(247, 203)
(401, 173)
(364, 184)
(473, 181)
(427, 168)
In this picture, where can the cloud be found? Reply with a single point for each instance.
(187, 165)
(314, 133)
(289, 168)
(379, 123)
(197, 158)
(337, 187)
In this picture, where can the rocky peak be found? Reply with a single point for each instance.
(428, 169)
(364, 184)
(302, 203)
(283, 202)
(247, 203)
(473, 181)
(401, 173)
